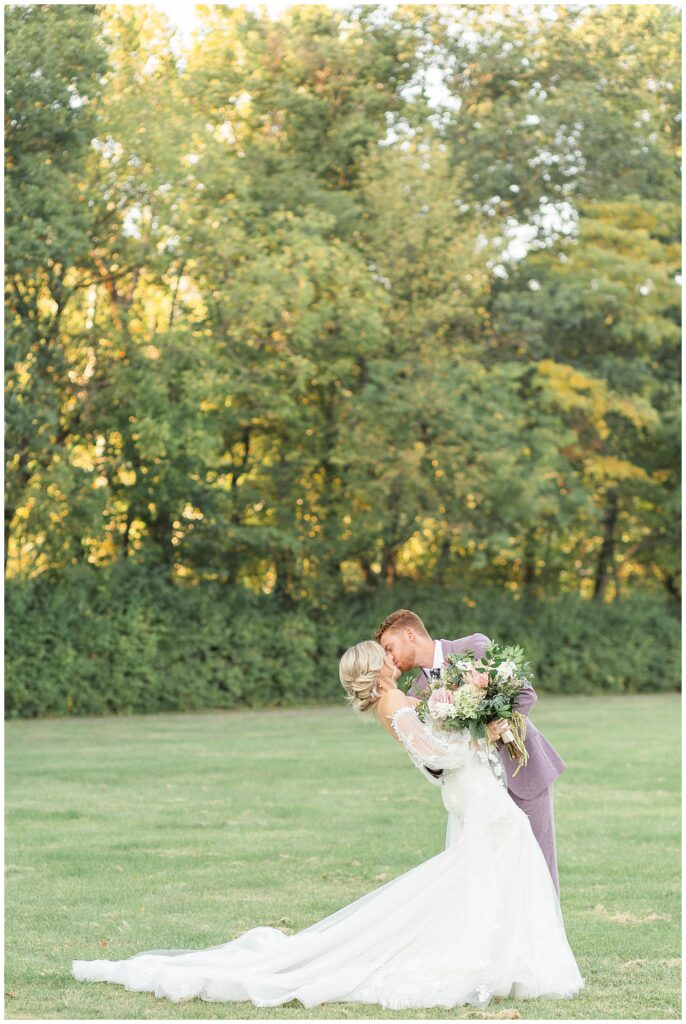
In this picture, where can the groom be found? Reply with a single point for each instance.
(404, 636)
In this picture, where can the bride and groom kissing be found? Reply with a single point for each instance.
(477, 921)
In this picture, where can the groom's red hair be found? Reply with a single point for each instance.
(401, 619)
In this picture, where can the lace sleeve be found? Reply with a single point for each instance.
(424, 747)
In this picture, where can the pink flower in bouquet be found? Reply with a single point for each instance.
(440, 703)
(479, 679)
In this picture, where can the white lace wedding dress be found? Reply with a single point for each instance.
(480, 919)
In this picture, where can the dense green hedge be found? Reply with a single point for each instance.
(126, 640)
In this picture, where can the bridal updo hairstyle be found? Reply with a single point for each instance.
(359, 674)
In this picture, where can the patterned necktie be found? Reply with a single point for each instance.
(434, 673)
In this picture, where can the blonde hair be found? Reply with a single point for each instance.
(358, 670)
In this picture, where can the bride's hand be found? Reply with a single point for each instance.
(494, 729)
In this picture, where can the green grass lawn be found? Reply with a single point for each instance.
(182, 831)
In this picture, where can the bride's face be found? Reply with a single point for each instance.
(390, 669)
(387, 674)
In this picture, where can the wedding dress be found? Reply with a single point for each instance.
(480, 919)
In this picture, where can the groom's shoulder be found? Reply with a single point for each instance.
(463, 643)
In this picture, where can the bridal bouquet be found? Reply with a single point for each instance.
(471, 692)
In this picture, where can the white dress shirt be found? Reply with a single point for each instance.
(438, 655)
(438, 658)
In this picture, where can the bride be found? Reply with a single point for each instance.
(478, 920)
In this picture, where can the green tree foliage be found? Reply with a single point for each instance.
(599, 315)
(564, 103)
(266, 325)
(54, 60)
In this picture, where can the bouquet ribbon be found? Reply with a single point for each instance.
(514, 742)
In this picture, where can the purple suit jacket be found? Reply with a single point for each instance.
(544, 764)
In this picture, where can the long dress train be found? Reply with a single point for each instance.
(480, 919)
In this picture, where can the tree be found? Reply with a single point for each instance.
(558, 104)
(54, 60)
(600, 313)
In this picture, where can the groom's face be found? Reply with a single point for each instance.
(401, 647)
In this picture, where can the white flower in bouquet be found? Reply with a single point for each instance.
(463, 665)
(466, 700)
(506, 670)
(440, 705)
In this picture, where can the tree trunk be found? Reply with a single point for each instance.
(9, 516)
(127, 532)
(672, 586)
(606, 556)
(388, 566)
(161, 532)
(284, 558)
(529, 566)
(238, 470)
(443, 559)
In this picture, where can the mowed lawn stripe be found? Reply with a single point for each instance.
(182, 831)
